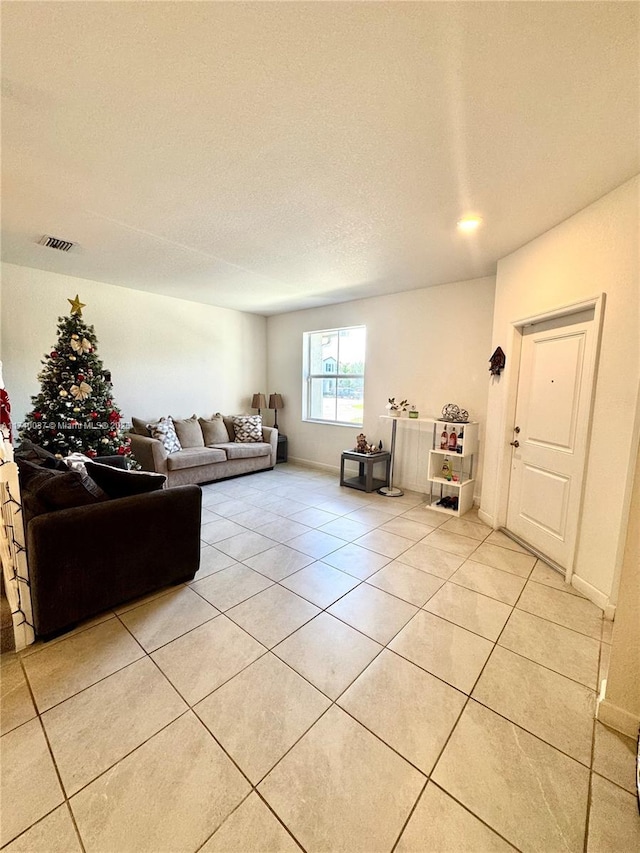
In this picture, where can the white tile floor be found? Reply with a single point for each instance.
(347, 672)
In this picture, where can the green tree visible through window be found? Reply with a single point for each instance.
(334, 375)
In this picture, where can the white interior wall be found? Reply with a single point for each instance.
(166, 355)
(620, 693)
(594, 251)
(431, 346)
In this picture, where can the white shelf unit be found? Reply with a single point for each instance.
(462, 462)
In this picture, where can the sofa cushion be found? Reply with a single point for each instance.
(39, 456)
(139, 427)
(248, 428)
(121, 484)
(191, 457)
(46, 489)
(189, 431)
(68, 490)
(31, 474)
(214, 430)
(245, 451)
(231, 432)
(165, 432)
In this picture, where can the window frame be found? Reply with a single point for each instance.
(324, 376)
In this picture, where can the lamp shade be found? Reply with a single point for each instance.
(258, 401)
(275, 401)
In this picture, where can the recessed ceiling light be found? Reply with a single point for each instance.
(469, 223)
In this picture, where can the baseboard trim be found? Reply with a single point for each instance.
(617, 718)
(318, 466)
(594, 595)
(488, 519)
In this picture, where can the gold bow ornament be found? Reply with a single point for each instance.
(80, 345)
(81, 391)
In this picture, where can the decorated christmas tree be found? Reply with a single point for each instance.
(75, 411)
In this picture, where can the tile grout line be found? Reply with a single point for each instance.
(593, 753)
(471, 698)
(465, 706)
(409, 816)
(63, 790)
(468, 810)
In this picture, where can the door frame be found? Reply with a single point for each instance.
(597, 303)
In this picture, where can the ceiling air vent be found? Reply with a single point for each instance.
(56, 243)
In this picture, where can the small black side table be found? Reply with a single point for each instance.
(283, 448)
(365, 480)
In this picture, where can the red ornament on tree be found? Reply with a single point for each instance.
(53, 354)
(114, 417)
(37, 416)
(112, 433)
(122, 450)
(91, 452)
(93, 415)
(80, 377)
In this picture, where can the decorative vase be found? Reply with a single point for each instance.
(394, 413)
(413, 414)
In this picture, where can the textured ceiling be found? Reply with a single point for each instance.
(275, 156)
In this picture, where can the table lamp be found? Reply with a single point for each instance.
(275, 403)
(258, 401)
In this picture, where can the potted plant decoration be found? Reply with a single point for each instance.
(396, 407)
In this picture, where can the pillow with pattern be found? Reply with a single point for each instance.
(248, 428)
(165, 432)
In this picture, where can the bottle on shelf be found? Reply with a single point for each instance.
(451, 469)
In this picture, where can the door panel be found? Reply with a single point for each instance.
(552, 410)
(544, 499)
(555, 388)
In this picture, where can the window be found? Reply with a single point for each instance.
(334, 376)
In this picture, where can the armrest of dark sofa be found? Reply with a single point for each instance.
(89, 559)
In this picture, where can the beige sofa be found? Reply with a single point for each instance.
(203, 464)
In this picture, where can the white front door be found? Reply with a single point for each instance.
(552, 414)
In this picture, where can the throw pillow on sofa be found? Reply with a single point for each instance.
(214, 430)
(46, 490)
(118, 483)
(30, 452)
(69, 490)
(32, 474)
(165, 432)
(189, 432)
(248, 428)
(139, 427)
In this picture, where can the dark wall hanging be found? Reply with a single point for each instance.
(497, 362)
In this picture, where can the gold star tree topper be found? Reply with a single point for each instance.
(76, 306)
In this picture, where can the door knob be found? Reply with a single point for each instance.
(516, 430)
(515, 443)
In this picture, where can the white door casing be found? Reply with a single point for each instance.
(553, 406)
